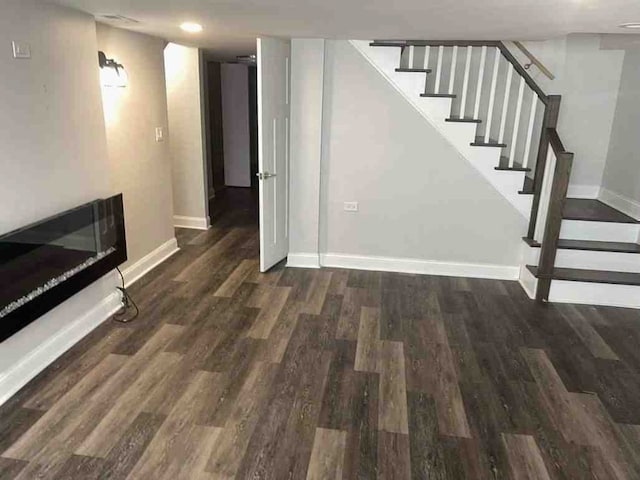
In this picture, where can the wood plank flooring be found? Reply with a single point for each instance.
(331, 374)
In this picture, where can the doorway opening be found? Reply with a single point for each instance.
(231, 117)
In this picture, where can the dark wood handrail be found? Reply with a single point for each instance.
(523, 73)
(556, 143)
(470, 43)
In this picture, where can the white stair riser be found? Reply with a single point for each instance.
(437, 109)
(599, 231)
(591, 260)
(595, 294)
(584, 293)
(528, 282)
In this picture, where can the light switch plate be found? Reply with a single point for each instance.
(350, 206)
(159, 134)
(21, 49)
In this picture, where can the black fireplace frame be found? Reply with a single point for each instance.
(48, 300)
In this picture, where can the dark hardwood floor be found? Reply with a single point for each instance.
(294, 374)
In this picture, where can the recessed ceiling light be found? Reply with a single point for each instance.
(191, 27)
(630, 25)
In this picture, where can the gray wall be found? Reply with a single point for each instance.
(587, 77)
(235, 129)
(140, 167)
(187, 137)
(622, 172)
(418, 198)
(307, 65)
(54, 149)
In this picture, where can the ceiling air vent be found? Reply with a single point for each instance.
(119, 19)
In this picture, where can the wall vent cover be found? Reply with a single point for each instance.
(118, 19)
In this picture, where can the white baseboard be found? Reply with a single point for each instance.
(19, 375)
(426, 267)
(619, 202)
(149, 262)
(303, 260)
(583, 191)
(198, 223)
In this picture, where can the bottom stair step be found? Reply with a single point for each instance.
(591, 276)
(595, 246)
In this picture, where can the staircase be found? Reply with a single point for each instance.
(487, 106)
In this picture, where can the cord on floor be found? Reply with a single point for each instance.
(123, 315)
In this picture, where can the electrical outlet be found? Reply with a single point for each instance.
(21, 49)
(159, 134)
(350, 206)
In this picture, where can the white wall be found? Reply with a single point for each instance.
(587, 77)
(621, 184)
(307, 76)
(418, 198)
(185, 106)
(140, 166)
(54, 157)
(235, 130)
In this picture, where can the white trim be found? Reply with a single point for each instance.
(303, 260)
(528, 282)
(589, 260)
(583, 191)
(147, 263)
(624, 204)
(608, 295)
(427, 267)
(600, 231)
(20, 374)
(198, 223)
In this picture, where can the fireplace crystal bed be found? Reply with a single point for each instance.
(43, 264)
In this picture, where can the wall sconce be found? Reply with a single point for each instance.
(112, 73)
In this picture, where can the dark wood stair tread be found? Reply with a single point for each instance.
(479, 142)
(463, 120)
(388, 44)
(591, 276)
(591, 245)
(515, 168)
(413, 70)
(527, 188)
(504, 166)
(594, 211)
(438, 95)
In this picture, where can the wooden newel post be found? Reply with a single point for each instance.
(550, 120)
(557, 201)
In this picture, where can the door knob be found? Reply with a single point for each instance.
(265, 175)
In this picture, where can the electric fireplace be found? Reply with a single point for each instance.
(43, 264)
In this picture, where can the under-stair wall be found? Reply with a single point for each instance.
(412, 186)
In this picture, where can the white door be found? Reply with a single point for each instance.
(273, 156)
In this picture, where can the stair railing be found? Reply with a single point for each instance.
(494, 88)
(552, 165)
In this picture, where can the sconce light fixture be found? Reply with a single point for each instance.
(112, 73)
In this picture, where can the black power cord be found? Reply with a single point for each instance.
(122, 315)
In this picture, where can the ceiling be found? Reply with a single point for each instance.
(231, 26)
